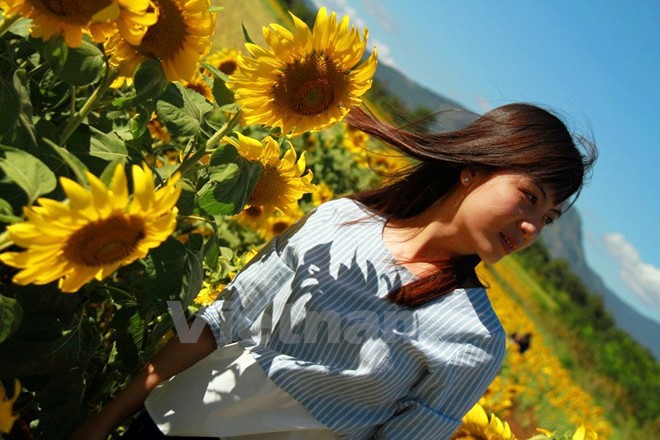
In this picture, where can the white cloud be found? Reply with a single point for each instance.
(384, 55)
(378, 12)
(382, 15)
(642, 278)
(342, 8)
(484, 104)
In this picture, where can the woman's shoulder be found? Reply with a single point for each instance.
(345, 209)
(343, 205)
(322, 222)
(465, 310)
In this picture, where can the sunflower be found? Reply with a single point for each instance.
(583, 433)
(179, 39)
(201, 84)
(95, 232)
(476, 426)
(209, 293)
(282, 181)
(73, 18)
(323, 194)
(157, 130)
(254, 218)
(7, 416)
(279, 222)
(225, 60)
(306, 80)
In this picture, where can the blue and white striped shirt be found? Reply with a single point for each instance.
(310, 307)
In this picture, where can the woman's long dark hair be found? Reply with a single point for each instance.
(516, 137)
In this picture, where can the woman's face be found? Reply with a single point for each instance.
(503, 212)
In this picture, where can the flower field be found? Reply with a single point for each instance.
(534, 388)
(146, 156)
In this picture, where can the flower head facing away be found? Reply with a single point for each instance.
(95, 232)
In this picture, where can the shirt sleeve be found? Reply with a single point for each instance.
(239, 317)
(435, 406)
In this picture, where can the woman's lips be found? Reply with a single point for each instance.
(507, 244)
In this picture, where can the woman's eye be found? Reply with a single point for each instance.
(532, 198)
(548, 221)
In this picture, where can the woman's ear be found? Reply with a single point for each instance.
(468, 175)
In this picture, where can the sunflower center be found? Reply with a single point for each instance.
(227, 67)
(269, 186)
(164, 37)
(310, 87)
(105, 241)
(74, 11)
(279, 226)
(254, 212)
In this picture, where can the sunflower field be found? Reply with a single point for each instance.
(142, 165)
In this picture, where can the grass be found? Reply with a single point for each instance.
(252, 14)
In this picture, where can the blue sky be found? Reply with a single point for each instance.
(597, 63)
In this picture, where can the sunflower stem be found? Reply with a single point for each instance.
(80, 116)
(73, 100)
(40, 68)
(131, 298)
(7, 23)
(189, 160)
(218, 135)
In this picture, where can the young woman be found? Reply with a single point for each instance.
(366, 318)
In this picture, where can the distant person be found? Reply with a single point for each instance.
(523, 341)
(366, 318)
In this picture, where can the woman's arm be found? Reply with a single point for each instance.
(172, 359)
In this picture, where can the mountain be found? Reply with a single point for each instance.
(449, 114)
(564, 240)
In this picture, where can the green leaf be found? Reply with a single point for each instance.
(246, 34)
(11, 314)
(187, 199)
(42, 345)
(77, 66)
(221, 93)
(10, 105)
(123, 321)
(59, 403)
(71, 160)
(107, 146)
(232, 180)
(182, 110)
(26, 134)
(20, 27)
(149, 82)
(194, 270)
(167, 263)
(7, 213)
(28, 172)
(109, 171)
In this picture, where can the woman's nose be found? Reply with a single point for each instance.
(529, 229)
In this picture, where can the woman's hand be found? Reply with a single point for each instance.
(172, 359)
(94, 429)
